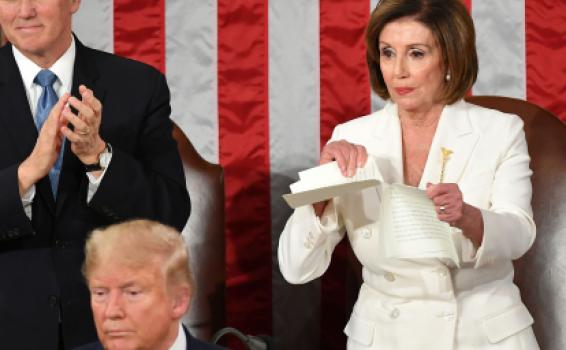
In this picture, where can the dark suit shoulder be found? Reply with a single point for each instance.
(195, 344)
(7, 62)
(6, 50)
(192, 344)
(90, 346)
(122, 78)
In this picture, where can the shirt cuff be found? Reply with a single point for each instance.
(27, 197)
(94, 182)
(27, 200)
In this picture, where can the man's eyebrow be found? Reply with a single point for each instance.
(128, 284)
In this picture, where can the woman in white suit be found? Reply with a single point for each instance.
(422, 59)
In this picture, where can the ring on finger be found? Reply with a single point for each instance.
(83, 132)
(442, 209)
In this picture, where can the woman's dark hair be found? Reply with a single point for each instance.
(453, 29)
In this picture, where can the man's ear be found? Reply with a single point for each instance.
(181, 300)
(75, 4)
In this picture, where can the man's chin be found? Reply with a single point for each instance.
(120, 342)
(30, 46)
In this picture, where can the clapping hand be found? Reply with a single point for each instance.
(84, 137)
(46, 149)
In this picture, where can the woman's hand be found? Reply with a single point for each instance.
(451, 208)
(448, 201)
(349, 157)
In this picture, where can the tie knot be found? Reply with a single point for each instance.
(45, 78)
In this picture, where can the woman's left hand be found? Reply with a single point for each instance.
(448, 201)
(451, 208)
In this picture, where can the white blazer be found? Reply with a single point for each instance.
(425, 303)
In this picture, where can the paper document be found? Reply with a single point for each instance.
(408, 226)
(326, 181)
(295, 200)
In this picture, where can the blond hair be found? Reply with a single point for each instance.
(140, 244)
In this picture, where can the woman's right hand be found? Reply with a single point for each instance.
(348, 156)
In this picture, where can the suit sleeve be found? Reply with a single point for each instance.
(149, 182)
(307, 241)
(15, 223)
(509, 229)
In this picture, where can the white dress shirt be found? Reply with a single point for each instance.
(63, 69)
(181, 340)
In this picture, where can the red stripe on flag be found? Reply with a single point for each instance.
(139, 31)
(546, 48)
(344, 91)
(344, 94)
(244, 154)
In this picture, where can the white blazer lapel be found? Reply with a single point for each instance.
(454, 132)
(385, 143)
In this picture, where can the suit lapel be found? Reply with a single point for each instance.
(84, 73)
(17, 119)
(454, 132)
(385, 143)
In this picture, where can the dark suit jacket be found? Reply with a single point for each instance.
(40, 259)
(192, 344)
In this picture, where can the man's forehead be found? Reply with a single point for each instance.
(123, 275)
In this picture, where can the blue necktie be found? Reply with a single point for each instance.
(45, 78)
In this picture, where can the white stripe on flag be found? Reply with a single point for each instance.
(373, 4)
(294, 134)
(500, 29)
(94, 24)
(191, 56)
(294, 87)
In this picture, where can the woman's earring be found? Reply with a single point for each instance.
(447, 78)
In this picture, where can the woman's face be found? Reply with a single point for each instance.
(411, 64)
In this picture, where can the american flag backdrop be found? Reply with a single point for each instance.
(258, 85)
